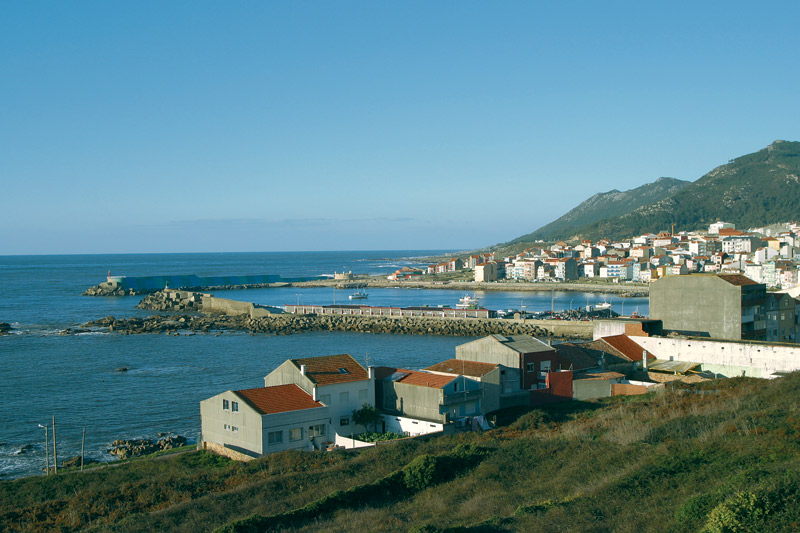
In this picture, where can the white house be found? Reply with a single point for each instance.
(338, 381)
(255, 422)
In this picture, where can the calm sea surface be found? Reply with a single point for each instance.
(74, 378)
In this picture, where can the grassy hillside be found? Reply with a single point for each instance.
(715, 456)
(752, 190)
(602, 206)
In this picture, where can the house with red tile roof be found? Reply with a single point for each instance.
(489, 375)
(337, 381)
(418, 402)
(255, 422)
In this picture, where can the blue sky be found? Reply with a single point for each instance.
(260, 126)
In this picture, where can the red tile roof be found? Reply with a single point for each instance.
(737, 279)
(627, 347)
(461, 367)
(329, 369)
(414, 377)
(277, 399)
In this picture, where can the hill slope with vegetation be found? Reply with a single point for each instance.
(718, 456)
(602, 206)
(752, 190)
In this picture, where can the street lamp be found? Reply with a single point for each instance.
(46, 451)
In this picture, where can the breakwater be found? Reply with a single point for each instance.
(231, 315)
(122, 285)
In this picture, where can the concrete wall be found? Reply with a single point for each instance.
(727, 358)
(410, 426)
(413, 401)
(488, 350)
(698, 305)
(590, 389)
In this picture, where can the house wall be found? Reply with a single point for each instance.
(287, 373)
(247, 421)
(330, 395)
(698, 305)
(726, 358)
(413, 401)
(302, 419)
(488, 350)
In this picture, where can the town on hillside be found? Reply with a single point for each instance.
(711, 317)
(768, 255)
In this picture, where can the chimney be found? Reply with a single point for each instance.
(371, 372)
(303, 369)
(644, 360)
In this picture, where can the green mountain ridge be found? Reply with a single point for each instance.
(752, 190)
(604, 205)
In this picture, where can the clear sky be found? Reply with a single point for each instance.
(342, 125)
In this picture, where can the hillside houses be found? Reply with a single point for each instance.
(768, 255)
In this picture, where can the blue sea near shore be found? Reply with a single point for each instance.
(75, 377)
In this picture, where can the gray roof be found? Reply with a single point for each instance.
(523, 343)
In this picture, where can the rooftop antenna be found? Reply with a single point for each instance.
(367, 358)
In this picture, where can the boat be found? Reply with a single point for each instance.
(359, 295)
(467, 302)
(602, 307)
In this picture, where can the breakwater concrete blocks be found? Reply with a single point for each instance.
(221, 313)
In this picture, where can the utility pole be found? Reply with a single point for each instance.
(46, 451)
(55, 454)
(83, 445)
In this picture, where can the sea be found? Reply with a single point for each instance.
(76, 379)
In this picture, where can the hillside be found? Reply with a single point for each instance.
(605, 205)
(752, 190)
(718, 456)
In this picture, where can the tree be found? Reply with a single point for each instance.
(367, 416)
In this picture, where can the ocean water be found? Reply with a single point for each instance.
(75, 377)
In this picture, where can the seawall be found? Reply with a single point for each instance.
(224, 314)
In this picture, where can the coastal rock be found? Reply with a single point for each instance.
(75, 462)
(5, 328)
(125, 449)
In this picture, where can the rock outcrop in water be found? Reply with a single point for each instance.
(5, 328)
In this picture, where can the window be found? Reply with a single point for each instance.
(545, 366)
(235, 407)
(316, 431)
(344, 397)
(234, 428)
(362, 394)
(531, 367)
(226, 427)
(344, 421)
(344, 371)
(295, 433)
(274, 437)
(225, 404)
(326, 399)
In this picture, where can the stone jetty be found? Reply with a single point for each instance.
(288, 324)
(202, 313)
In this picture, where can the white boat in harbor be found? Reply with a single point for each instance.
(359, 295)
(467, 302)
(602, 306)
